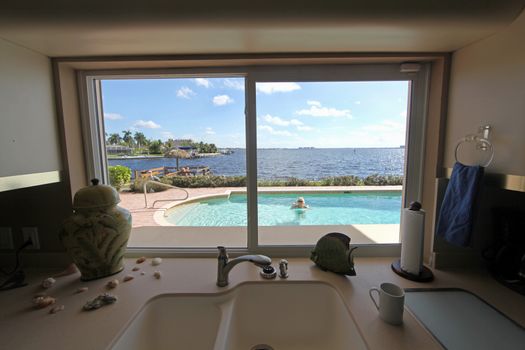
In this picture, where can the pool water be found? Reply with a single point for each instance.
(275, 210)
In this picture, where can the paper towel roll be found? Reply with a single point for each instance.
(412, 236)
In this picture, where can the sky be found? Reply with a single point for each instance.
(289, 114)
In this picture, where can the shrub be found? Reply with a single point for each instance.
(119, 175)
(207, 181)
(350, 180)
(382, 180)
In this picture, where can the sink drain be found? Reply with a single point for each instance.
(262, 347)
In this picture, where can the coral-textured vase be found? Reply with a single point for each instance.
(96, 235)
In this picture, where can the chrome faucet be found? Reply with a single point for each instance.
(225, 265)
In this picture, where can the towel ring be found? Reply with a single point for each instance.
(481, 144)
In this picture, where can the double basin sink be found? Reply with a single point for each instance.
(252, 316)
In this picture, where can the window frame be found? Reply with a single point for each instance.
(94, 141)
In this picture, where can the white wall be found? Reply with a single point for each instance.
(488, 87)
(29, 141)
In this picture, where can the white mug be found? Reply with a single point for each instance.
(391, 302)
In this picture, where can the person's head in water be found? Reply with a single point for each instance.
(300, 203)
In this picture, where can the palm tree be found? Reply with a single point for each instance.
(127, 138)
(140, 139)
(114, 139)
(177, 153)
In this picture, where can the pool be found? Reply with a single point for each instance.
(367, 207)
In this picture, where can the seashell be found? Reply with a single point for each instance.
(98, 302)
(156, 261)
(42, 302)
(56, 309)
(157, 275)
(136, 268)
(333, 253)
(48, 282)
(141, 260)
(128, 278)
(112, 284)
(81, 290)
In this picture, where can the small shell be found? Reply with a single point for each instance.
(56, 309)
(141, 260)
(128, 278)
(81, 290)
(42, 302)
(156, 261)
(112, 284)
(98, 302)
(157, 275)
(136, 268)
(48, 282)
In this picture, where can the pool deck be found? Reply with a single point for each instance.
(150, 232)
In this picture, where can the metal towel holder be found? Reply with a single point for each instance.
(482, 143)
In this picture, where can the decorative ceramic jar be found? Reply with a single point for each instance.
(96, 235)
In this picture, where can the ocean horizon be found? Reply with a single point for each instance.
(282, 163)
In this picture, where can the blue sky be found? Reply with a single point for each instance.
(301, 114)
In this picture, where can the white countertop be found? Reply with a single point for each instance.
(23, 327)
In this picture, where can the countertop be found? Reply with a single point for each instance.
(23, 327)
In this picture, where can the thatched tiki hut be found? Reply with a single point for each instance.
(177, 153)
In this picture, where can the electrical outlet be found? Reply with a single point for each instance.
(31, 233)
(6, 238)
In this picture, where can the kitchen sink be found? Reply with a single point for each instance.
(262, 315)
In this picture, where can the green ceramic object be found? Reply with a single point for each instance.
(332, 253)
(96, 235)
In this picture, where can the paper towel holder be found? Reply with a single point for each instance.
(425, 274)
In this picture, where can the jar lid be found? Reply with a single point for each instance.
(95, 196)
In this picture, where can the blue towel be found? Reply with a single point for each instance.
(457, 210)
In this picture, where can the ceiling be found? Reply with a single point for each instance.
(60, 28)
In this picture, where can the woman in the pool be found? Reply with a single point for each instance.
(299, 204)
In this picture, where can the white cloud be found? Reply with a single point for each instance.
(203, 82)
(317, 110)
(275, 120)
(209, 131)
(149, 124)
(282, 122)
(272, 131)
(237, 84)
(270, 88)
(221, 100)
(113, 116)
(185, 92)
(313, 103)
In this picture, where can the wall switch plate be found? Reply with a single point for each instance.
(6, 238)
(31, 233)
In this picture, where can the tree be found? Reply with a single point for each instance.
(140, 139)
(169, 144)
(127, 138)
(155, 147)
(114, 139)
